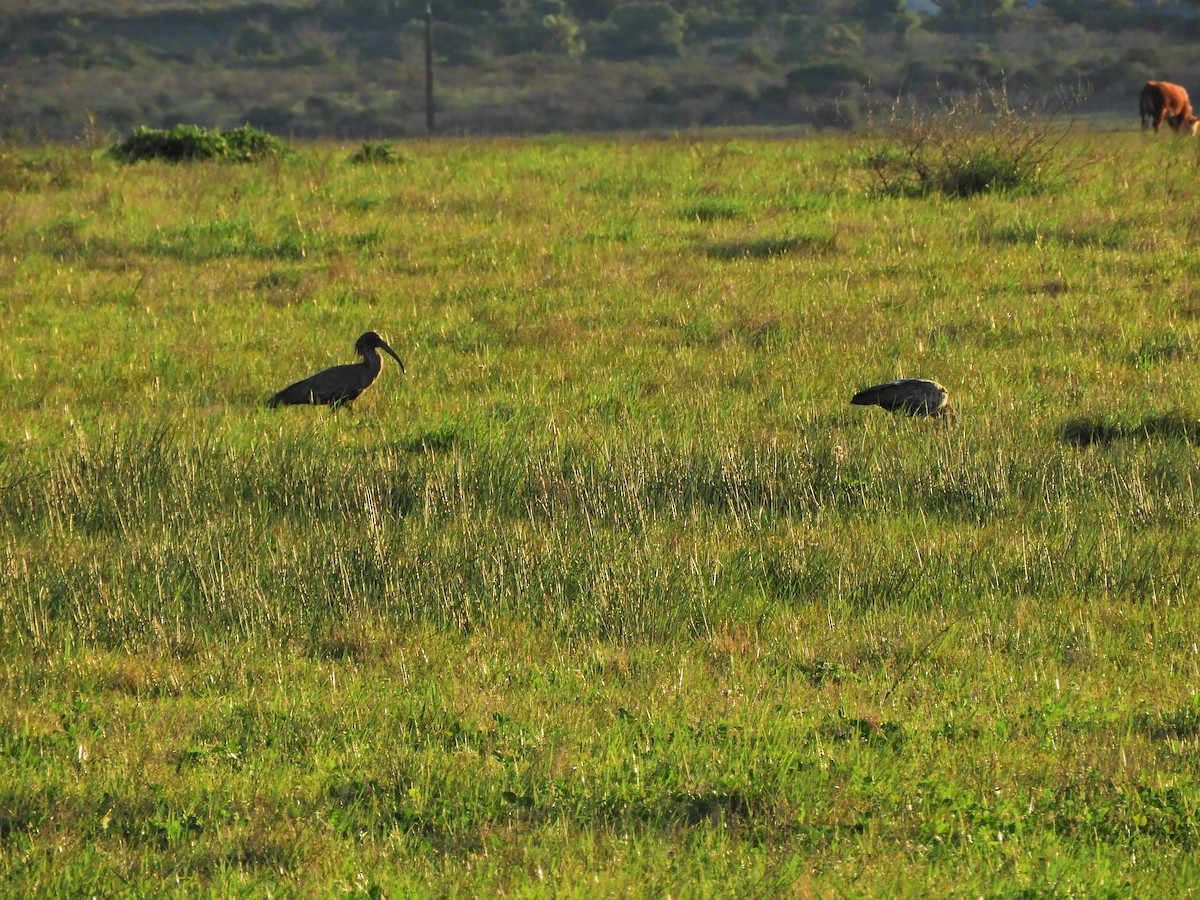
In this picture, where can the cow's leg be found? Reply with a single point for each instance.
(1145, 110)
(1181, 120)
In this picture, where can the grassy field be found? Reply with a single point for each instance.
(613, 592)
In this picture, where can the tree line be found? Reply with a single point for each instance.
(354, 68)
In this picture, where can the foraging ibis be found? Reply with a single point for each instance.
(915, 396)
(342, 384)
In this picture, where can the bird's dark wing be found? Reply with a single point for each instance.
(915, 396)
(889, 395)
(300, 392)
(341, 384)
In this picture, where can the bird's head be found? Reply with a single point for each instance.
(947, 414)
(371, 341)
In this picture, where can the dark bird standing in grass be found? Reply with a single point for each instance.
(915, 396)
(340, 385)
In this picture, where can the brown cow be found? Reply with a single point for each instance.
(1163, 101)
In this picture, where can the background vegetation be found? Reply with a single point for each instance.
(613, 591)
(355, 68)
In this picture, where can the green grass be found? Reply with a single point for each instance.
(613, 592)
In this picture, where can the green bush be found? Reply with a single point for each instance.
(817, 76)
(546, 26)
(187, 142)
(642, 28)
(376, 152)
(255, 39)
(970, 144)
(269, 117)
(836, 114)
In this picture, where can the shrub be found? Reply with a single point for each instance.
(51, 42)
(545, 27)
(643, 28)
(968, 144)
(255, 39)
(269, 117)
(744, 94)
(817, 76)
(836, 114)
(375, 152)
(188, 142)
(454, 44)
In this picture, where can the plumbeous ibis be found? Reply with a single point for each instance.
(340, 385)
(915, 396)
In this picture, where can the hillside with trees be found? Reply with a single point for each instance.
(356, 68)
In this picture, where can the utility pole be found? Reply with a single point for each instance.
(429, 67)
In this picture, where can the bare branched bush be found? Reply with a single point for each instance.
(968, 144)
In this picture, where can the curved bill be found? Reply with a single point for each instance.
(392, 353)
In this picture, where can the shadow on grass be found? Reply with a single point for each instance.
(864, 729)
(1084, 431)
(714, 808)
(767, 248)
(433, 441)
(1182, 723)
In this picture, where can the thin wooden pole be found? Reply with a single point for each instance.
(429, 67)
